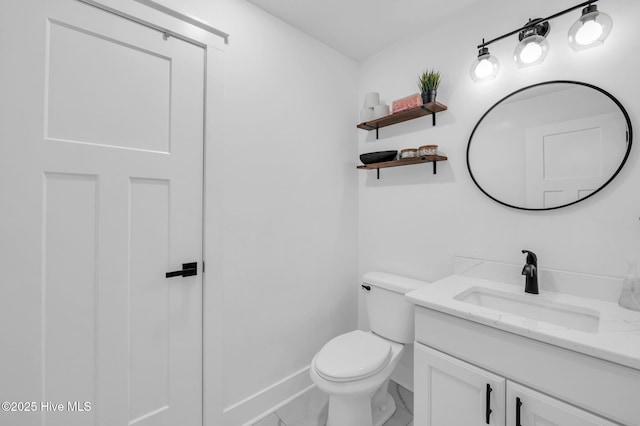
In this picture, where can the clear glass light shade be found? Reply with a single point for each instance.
(590, 30)
(532, 50)
(485, 68)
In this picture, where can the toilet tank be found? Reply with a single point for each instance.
(390, 315)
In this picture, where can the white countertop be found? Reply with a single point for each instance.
(617, 338)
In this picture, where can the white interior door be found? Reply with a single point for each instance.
(107, 173)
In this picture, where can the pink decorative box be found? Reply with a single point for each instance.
(409, 102)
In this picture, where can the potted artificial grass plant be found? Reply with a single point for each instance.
(428, 84)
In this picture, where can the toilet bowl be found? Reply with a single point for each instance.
(354, 368)
(352, 382)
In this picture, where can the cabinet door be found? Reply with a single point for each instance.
(526, 407)
(449, 392)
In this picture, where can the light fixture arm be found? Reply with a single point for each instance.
(536, 22)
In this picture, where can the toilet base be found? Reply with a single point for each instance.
(383, 412)
(363, 410)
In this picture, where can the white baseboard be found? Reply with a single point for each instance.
(261, 404)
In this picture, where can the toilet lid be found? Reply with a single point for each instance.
(352, 356)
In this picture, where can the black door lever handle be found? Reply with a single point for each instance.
(188, 270)
(488, 409)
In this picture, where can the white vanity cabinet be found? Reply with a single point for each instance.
(456, 359)
(449, 392)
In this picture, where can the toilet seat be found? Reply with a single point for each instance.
(352, 356)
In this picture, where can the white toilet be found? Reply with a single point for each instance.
(354, 368)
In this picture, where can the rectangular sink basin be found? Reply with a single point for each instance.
(534, 308)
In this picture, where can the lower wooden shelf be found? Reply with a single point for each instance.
(405, 162)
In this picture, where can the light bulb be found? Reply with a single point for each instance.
(588, 33)
(532, 50)
(530, 53)
(484, 68)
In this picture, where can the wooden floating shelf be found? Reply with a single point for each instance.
(404, 162)
(427, 109)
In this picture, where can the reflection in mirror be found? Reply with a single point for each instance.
(549, 145)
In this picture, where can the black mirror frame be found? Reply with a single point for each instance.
(624, 160)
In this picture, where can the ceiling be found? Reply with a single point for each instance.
(360, 28)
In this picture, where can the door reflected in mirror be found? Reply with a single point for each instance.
(549, 145)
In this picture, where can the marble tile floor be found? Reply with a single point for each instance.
(310, 409)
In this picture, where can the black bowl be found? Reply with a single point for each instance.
(378, 157)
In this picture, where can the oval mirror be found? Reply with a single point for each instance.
(549, 145)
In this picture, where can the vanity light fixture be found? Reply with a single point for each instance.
(591, 29)
(486, 67)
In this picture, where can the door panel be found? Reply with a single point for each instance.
(69, 288)
(118, 93)
(149, 315)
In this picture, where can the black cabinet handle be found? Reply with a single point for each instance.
(488, 407)
(188, 269)
(518, 405)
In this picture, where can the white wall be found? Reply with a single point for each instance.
(413, 222)
(289, 202)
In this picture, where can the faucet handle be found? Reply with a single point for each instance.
(532, 259)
